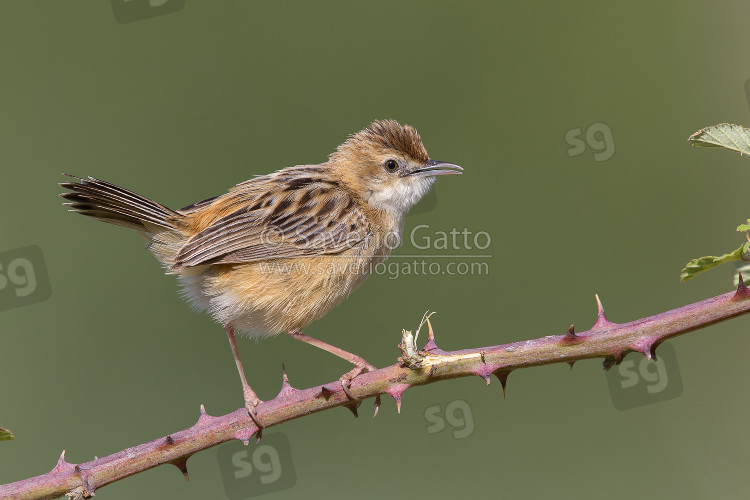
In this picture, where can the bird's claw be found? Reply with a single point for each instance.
(254, 417)
(251, 401)
(347, 378)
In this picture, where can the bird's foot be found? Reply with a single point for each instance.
(251, 401)
(360, 366)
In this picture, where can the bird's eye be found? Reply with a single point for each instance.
(391, 165)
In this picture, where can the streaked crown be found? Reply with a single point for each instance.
(381, 136)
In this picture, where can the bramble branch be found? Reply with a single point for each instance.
(605, 339)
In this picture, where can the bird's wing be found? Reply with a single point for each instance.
(310, 219)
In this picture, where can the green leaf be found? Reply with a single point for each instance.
(744, 227)
(6, 435)
(725, 135)
(696, 266)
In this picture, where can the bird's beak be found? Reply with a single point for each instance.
(434, 167)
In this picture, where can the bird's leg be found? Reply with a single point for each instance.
(251, 399)
(360, 365)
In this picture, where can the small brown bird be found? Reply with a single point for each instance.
(279, 251)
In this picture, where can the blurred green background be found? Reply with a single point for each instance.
(181, 106)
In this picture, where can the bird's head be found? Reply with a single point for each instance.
(388, 167)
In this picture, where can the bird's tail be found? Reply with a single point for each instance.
(109, 203)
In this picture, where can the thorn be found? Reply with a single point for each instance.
(742, 290)
(286, 387)
(485, 371)
(646, 346)
(430, 345)
(182, 465)
(571, 363)
(244, 435)
(352, 407)
(325, 393)
(614, 359)
(169, 439)
(395, 392)
(571, 338)
(502, 375)
(601, 318)
(203, 417)
(608, 363)
(62, 464)
(653, 350)
(377, 406)
(618, 357)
